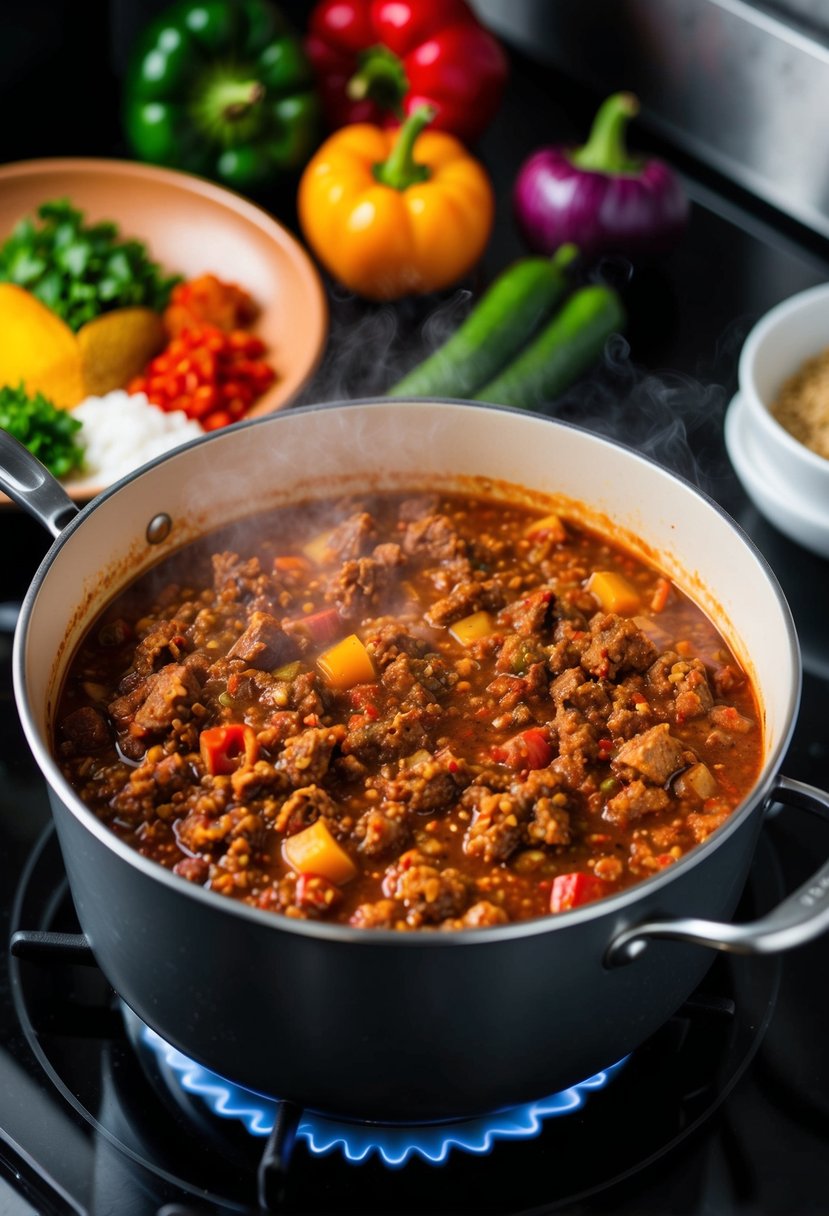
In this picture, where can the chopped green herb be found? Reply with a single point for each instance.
(50, 434)
(80, 270)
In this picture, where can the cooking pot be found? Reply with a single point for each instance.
(377, 1023)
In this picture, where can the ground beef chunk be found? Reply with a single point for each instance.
(549, 824)
(727, 718)
(171, 775)
(305, 757)
(353, 537)
(85, 730)
(617, 645)
(569, 643)
(164, 643)
(533, 614)
(655, 755)
(577, 737)
(238, 579)
(693, 692)
(433, 536)
(388, 738)
(727, 679)
(481, 915)
(702, 825)
(385, 640)
(518, 655)
(358, 582)
(200, 833)
(495, 831)
(302, 808)
(464, 599)
(542, 794)
(264, 644)
(169, 694)
(433, 673)
(199, 665)
(382, 914)
(257, 780)
(634, 801)
(429, 786)
(383, 831)
(415, 508)
(194, 869)
(429, 894)
(587, 696)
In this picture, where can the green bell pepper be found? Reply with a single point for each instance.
(222, 88)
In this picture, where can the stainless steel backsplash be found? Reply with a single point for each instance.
(744, 89)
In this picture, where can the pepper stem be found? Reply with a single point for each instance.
(235, 99)
(605, 150)
(381, 78)
(401, 170)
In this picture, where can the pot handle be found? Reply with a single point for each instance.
(32, 486)
(801, 916)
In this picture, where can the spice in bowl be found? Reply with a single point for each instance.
(802, 405)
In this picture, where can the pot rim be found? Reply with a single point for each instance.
(620, 903)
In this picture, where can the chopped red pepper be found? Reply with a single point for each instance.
(573, 890)
(320, 627)
(316, 893)
(226, 748)
(530, 749)
(213, 376)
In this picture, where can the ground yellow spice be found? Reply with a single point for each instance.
(802, 405)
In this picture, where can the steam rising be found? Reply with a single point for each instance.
(671, 417)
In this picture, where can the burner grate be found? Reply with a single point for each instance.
(392, 1144)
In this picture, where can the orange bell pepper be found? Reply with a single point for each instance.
(399, 212)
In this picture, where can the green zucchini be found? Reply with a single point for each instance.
(499, 325)
(563, 351)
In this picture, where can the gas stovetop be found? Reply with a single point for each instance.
(724, 1111)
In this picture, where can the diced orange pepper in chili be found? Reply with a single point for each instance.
(346, 664)
(315, 851)
(226, 748)
(614, 592)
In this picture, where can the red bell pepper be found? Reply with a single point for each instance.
(225, 748)
(573, 890)
(530, 749)
(378, 60)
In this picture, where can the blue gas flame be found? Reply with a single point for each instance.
(394, 1144)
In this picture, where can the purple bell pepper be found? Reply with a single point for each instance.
(599, 196)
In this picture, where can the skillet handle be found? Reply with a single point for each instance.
(801, 916)
(32, 486)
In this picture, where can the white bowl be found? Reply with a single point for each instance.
(787, 482)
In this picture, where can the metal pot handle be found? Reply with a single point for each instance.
(32, 486)
(801, 916)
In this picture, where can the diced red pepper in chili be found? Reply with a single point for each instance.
(316, 893)
(364, 698)
(573, 890)
(321, 627)
(530, 749)
(226, 748)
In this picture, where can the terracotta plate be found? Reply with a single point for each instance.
(191, 227)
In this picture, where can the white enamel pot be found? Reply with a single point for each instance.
(377, 1023)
